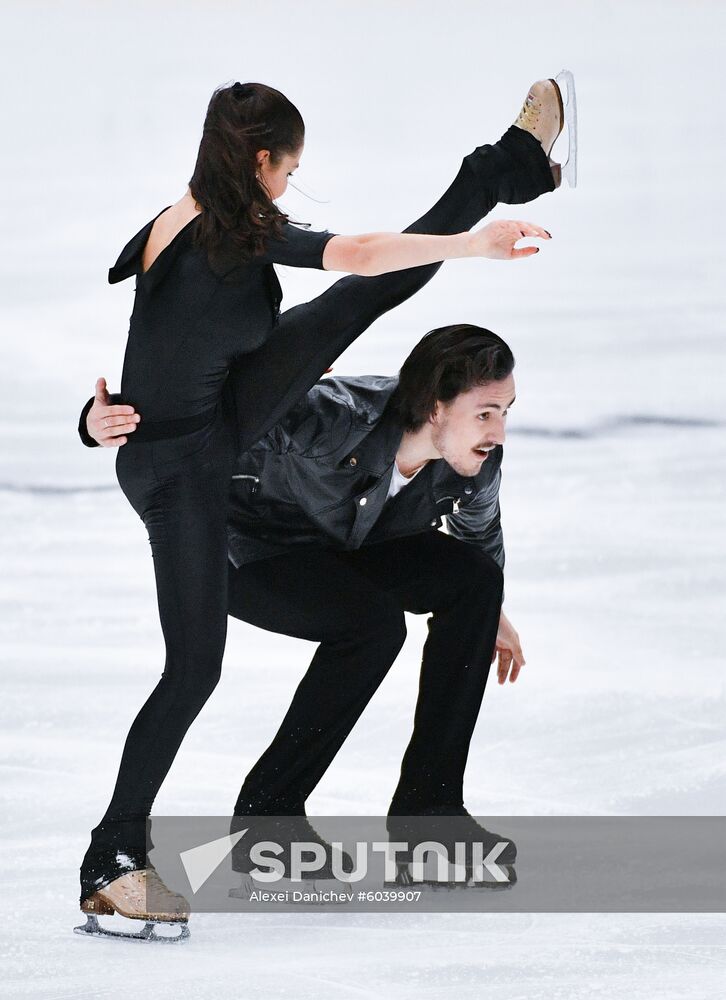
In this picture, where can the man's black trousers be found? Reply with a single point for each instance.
(353, 604)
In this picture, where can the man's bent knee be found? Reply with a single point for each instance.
(383, 627)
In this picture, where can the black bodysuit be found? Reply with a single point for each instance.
(190, 322)
(211, 367)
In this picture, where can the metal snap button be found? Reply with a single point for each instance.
(353, 460)
(468, 490)
(363, 501)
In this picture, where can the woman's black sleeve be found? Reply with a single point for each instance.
(297, 247)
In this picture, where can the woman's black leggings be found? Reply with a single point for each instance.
(179, 488)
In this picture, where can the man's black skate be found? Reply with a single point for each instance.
(283, 831)
(467, 855)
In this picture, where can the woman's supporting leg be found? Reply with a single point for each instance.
(309, 337)
(185, 512)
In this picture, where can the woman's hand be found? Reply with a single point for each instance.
(496, 240)
(109, 424)
(509, 650)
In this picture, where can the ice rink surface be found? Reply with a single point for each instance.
(614, 469)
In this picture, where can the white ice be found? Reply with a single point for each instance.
(615, 537)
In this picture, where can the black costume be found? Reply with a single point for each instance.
(176, 468)
(318, 551)
(321, 476)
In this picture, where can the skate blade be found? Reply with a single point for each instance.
(92, 928)
(404, 880)
(249, 885)
(566, 82)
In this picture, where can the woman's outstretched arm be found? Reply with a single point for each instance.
(380, 253)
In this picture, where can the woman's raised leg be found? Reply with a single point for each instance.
(309, 337)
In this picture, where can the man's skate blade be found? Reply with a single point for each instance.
(405, 880)
(566, 82)
(249, 885)
(177, 931)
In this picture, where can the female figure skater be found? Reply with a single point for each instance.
(211, 365)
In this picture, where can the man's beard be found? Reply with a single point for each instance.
(474, 458)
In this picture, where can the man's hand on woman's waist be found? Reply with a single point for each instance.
(110, 423)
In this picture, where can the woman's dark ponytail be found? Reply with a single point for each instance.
(238, 214)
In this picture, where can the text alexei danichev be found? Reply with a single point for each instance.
(298, 896)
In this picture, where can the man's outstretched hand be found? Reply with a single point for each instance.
(109, 424)
(511, 658)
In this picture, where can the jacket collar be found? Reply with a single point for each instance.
(376, 451)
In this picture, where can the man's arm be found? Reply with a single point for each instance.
(104, 420)
(479, 524)
(509, 650)
(322, 416)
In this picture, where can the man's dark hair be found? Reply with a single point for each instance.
(445, 363)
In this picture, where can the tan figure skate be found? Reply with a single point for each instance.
(131, 896)
(548, 107)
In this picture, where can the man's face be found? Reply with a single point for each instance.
(467, 428)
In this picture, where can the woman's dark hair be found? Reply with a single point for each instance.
(445, 363)
(238, 214)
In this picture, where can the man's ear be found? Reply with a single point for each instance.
(435, 415)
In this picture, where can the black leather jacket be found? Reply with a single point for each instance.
(321, 476)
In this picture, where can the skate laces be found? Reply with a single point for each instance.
(530, 112)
